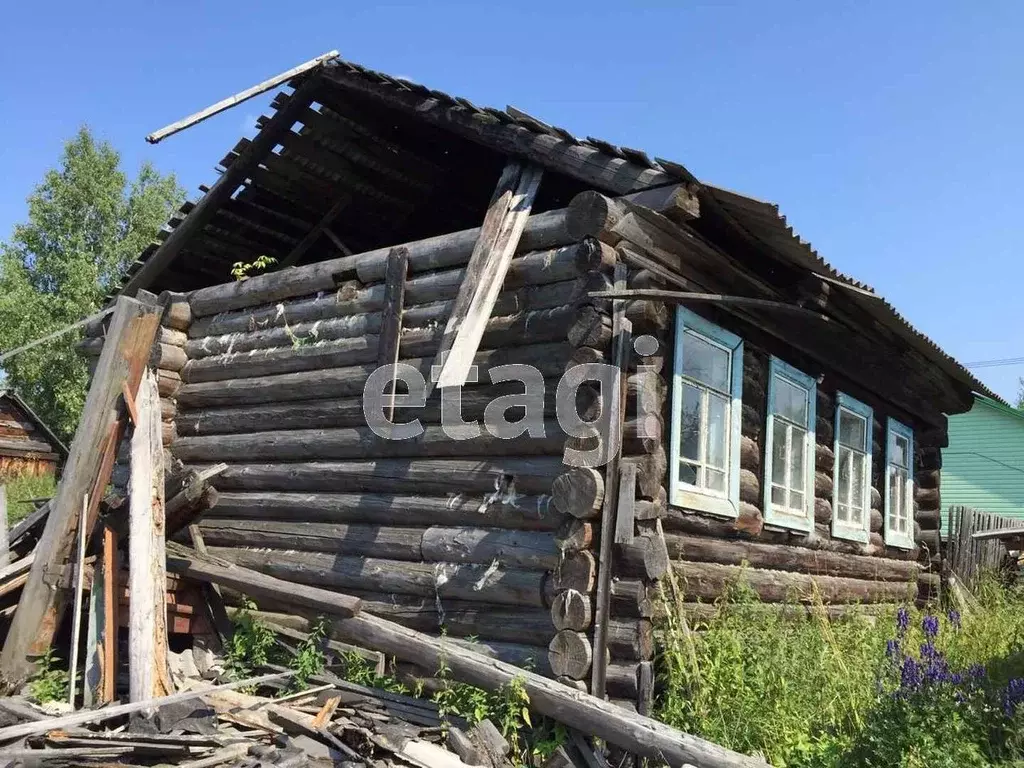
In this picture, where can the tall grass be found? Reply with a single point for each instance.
(803, 690)
(21, 488)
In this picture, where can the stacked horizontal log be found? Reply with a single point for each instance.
(928, 509)
(431, 531)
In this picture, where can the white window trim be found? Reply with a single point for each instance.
(895, 538)
(681, 494)
(842, 530)
(772, 516)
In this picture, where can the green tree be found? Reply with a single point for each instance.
(1020, 393)
(86, 223)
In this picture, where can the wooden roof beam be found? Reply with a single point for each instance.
(222, 189)
(581, 162)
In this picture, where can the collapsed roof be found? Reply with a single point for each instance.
(354, 160)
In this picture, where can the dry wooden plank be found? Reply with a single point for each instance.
(389, 341)
(124, 356)
(5, 540)
(147, 613)
(211, 569)
(499, 237)
(238, 98)
(625, 518)
(76, 616)
(84, 717)
(622, 342)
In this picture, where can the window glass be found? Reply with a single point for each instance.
(852, 429)
(706, 411)
(706, 362)
(790, 401)
(790, 441)
(900, 492)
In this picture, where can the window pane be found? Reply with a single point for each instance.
(778, 495)
(900, 449)
(705, 362)
(689, 443)
(852, 430)
(797, 478)
(796, 501)
(718, 426)
(842, 512)
(716, 480)
(790, 401)
(857, 516)
(779, 458)
(687, 473)
(857, 480)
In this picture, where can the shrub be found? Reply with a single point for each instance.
(906, 688)
(23, 487)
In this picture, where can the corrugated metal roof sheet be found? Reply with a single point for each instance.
(764, 222)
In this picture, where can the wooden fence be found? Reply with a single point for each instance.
(969, 557)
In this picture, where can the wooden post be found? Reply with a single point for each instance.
(499, 237)
(108, 678)
(76, 617)
(5, 540)
(147, 575)
(125, 352)
(391, 324)
(621, 344)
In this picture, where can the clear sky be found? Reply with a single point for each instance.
(890, 133)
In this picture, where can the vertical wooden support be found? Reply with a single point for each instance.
(5, 540)
(621, 346)
(218, 614)
(125, 352)
(76, 616)
(147, 557)
(499, 237)
(108, 655)
(391, 323)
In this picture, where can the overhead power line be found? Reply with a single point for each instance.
(996, 363)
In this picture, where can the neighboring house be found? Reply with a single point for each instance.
(783, 421)
(983, 467)
(27, 446)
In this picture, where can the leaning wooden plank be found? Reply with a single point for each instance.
(128, 343)
(5, 539)
(24, 730)
(222, 189)
(238, 98)
(76, 616)
(147, 575)
(183, 561)
(499, 237)
(576, 709)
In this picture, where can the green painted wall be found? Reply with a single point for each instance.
(983, 467)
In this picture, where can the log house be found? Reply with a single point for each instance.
(27, 445)
(777, 419)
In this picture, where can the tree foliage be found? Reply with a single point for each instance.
(86, 223)
(1020, 393)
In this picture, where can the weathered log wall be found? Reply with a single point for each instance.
(25, 448)
(431, 531)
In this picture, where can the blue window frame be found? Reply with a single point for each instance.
(851, 481)
(707, 390)
(789, 448)
(899, 485)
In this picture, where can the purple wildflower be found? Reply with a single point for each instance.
(930, 626)
(954, 618)
(892, 648)
(910, 675)
(902, 621)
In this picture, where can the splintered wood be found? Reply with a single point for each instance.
(147, 614)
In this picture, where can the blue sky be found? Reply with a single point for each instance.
(889, 133)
